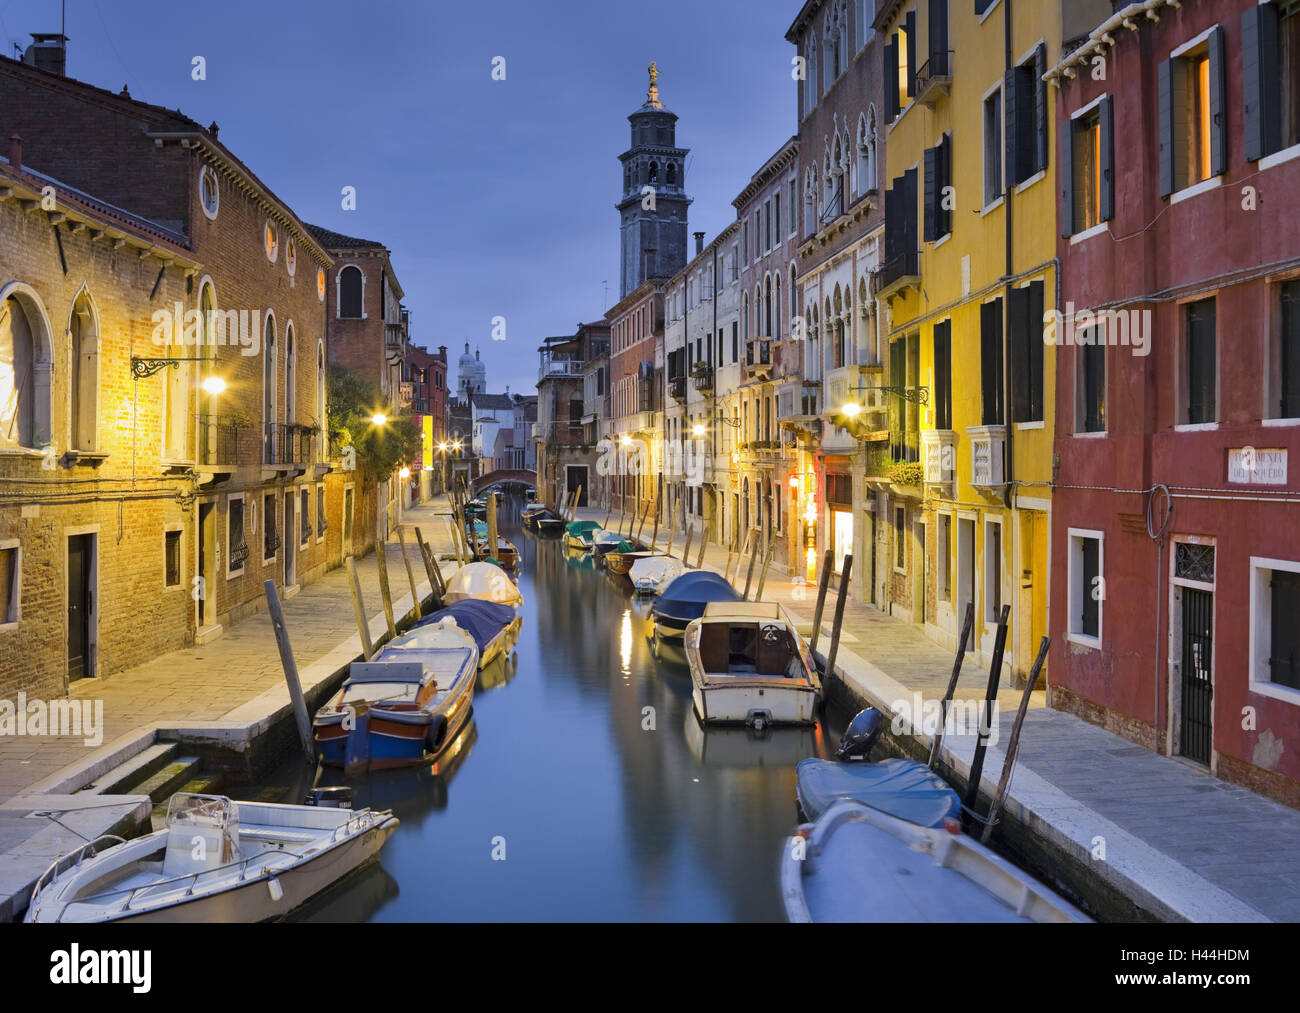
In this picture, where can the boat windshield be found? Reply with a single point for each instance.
(187, 810)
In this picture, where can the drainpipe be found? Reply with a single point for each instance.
(1009, 191)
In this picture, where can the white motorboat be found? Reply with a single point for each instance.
(485, 581)
(215, 861)
(651, 575)
(749, 666)
(858, 864)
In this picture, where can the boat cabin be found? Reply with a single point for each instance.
(749, 638)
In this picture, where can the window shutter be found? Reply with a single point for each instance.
(1218, 105)
(943, 374)
(939, 36)
(1034, 335)
(1010, 110)
(1040, 107)
(931, 204)
(910, 24)
(1106, 199)
(891, 222)
(1260, 80)
(910, 214)
(945, 180)
(891, 77)
(1165, 109)
(991, 361)
(1019, 320)
(1065, 173)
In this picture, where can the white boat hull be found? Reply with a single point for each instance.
(758, 702)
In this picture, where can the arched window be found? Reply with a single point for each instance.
(810, 209)
(83, 384)
(810, 76)
(178, 385)
(672, 174)
(320, 385)
(744, 315)
(268, 389)
(867, 151)
(352, 287)
(17, 363)
(290, 376)
(776, 333)
(866, 324)
(654, 173)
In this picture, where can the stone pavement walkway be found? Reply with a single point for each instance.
(198, 685)
(1195, 846)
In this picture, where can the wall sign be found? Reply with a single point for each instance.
(1253, 466)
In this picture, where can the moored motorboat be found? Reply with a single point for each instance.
(492, 625)
(549, 523)
(215, 861)
(684, 599)
(858, 864)
(401, 707)
(749, 666)
(581, 534)
(484, 581)
(621, 560)
(529, 514)
(604, 542)
(652, 574)
(899, 786)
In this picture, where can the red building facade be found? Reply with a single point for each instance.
(1175, 545)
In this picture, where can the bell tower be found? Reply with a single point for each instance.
(653, 210)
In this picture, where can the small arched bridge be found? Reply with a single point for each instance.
(503, 475)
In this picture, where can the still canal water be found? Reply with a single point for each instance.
(600, 818)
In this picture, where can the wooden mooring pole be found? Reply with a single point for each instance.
(767, 561)
(753, 557)
(686, 552)
(982, 740)
(966, 627)
(838, 624)
(828, 563)
(410, 575)
(358, 607)
(290, 672)
(385, 593)
(1013, 745)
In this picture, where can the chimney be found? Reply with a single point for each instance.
(15, 152)
(48, 52)
(699, 243)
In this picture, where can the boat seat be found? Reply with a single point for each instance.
(274, 835)
(196, 848)
(774, 650)
(713, 648)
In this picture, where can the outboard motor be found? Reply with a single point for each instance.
(861, 735)
(330, 798)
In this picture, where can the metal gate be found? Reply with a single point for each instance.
(1198, 642)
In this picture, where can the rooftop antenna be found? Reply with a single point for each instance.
(604, 293)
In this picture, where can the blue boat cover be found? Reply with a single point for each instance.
(482, 620)
(686, 596)
(903, 788)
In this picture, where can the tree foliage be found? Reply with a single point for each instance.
(353, 401)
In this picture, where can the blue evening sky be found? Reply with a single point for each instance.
(496, 198)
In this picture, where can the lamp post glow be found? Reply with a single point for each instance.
(404, 473)
(214, 385)
(698, 430)
(379, 418)
(853, 409)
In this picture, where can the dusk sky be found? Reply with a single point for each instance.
(495, 197)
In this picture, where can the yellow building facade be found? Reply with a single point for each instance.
(970, 269)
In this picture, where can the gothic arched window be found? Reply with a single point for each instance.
(351, 287)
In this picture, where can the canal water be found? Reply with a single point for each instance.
(584, 787)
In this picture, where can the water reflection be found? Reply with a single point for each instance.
(589, 770)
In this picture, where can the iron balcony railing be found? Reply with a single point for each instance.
(225, 443)
(937, 68)
(902, 265)
(288, 443)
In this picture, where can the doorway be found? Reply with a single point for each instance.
(81, 607)
(575, 478)
(1197, 635)
(207, 541)
(966, 576)
(288, 540)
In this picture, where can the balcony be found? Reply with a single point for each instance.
(899, 273)
(934, 78)
(758, 359)
(560, 367)
(288, 445)
(702, 374)
(988, 455)
(939, 455)
(224, 445)
(677, 387)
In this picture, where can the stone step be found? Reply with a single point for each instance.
(139, 768)
(163, 784)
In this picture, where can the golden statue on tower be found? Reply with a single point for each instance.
(652, 96)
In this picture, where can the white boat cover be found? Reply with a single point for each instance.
(484, 581)
(658, 571)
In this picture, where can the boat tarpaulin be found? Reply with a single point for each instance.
(903, 788)
(582, 527)
(482, 620)
(686, 596)
(484, 581)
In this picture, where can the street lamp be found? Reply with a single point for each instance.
(379, 419)
(404, 473)
(214, 385)
(698, 430)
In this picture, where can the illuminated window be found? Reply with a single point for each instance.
(272, 241)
